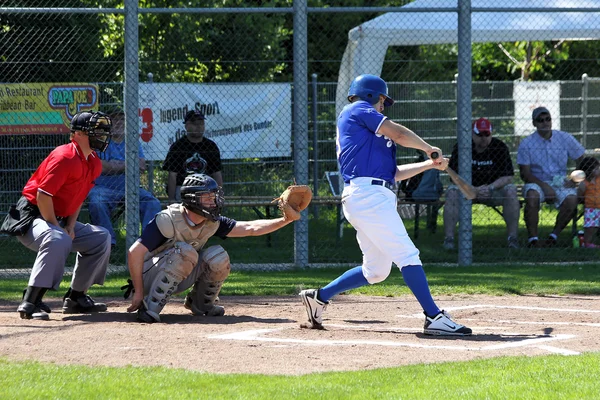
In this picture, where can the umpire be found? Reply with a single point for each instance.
(45, 220)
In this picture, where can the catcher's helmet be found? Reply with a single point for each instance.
(194, 187)
(368, 88)
(96, 125)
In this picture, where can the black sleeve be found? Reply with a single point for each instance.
(213, 158)
(151, 236)
(454, 158)
(173, 161)
(225, 226)
(507, 168)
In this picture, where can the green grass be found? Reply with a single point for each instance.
(548, 377)
(491, 280)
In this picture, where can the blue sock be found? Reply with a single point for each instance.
(351, 279)
(415, 279)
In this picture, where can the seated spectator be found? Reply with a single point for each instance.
(492, 175)
(589, 190)
(109, 191)
(542, 158)
(192, 154)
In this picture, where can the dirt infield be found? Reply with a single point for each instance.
(262, 334)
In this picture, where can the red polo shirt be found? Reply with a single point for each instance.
(66, 176)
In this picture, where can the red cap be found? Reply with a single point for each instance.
(482, 125)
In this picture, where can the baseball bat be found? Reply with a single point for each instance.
(466, 188)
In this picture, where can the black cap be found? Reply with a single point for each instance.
(193, 115)
(80, 120)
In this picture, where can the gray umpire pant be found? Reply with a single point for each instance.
(53, 245)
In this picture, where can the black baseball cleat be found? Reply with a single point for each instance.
(32, 306)
(144, 316)
(29, 310)
(82, 305)
(39, 303)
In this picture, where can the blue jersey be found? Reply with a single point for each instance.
(361, 152)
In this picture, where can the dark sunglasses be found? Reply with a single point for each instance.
(484, 133)
(540, 120)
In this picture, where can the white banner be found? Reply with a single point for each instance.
(245, 120)
(530, 95)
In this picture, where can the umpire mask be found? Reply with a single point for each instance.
(96, 125)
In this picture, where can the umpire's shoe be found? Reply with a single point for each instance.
(442, 324)
(314, 308)
(80, 303)
(30, 307)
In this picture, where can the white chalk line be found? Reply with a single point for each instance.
(256, 335)
(480, 306)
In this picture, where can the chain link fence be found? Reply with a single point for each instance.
(262, 87)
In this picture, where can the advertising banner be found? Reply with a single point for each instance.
(43, 108)
(245, 120)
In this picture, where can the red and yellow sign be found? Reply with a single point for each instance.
(43, 108)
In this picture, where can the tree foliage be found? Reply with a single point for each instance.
(248, 47)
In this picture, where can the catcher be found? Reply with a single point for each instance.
(170, 257)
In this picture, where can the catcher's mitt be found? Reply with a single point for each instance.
(293, 200)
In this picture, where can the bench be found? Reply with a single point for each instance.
(433, 207)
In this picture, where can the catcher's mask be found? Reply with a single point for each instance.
(96, 125)
(368, 88)
(196, 186)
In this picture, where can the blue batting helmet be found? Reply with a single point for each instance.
(368, 88)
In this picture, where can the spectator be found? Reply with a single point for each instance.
(109, 191)
(492, 175)
(192, 154)
(45, 220)
(589, 190)
(542, 159)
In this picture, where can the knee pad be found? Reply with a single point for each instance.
(177, 265)
(215, 269)
(215, 264)
(181, 260)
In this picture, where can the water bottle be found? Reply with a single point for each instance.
(581, 239)
(576, 241)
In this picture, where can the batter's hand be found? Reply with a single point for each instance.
(442, 165)
(136, 302)
(436, 159)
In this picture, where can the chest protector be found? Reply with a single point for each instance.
(173, 225)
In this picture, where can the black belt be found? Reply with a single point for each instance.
(382, 183)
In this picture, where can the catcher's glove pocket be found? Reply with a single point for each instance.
(293, 201)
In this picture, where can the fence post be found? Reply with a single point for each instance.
(584, 108)
(464, 113)
(132, 174)
(300, 119)
(315, 144)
